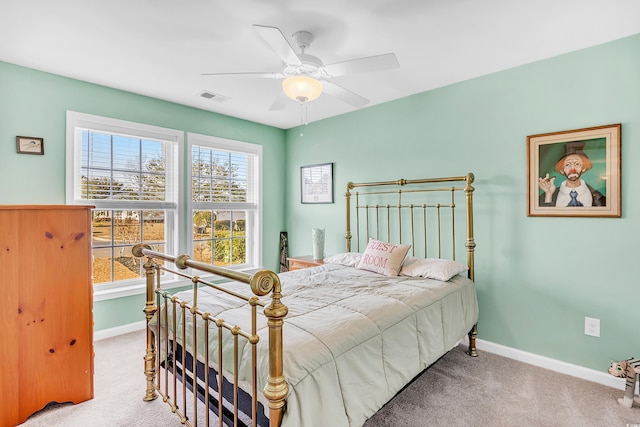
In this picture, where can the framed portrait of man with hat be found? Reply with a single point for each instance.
(575, 173)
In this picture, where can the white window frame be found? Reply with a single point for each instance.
(254, 177)
(173, 205)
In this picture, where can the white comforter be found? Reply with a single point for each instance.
(352, 338)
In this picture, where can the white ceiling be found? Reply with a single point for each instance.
(160, 48)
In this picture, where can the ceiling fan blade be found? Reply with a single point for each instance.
(343, 94)
(274, 38)
(370, 63)
(251, 75)
(280, 102)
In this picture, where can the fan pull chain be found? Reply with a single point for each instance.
(303, 116)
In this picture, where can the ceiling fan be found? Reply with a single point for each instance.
(305, 77)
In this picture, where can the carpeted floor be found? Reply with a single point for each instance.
(496, 391)
(457, 390)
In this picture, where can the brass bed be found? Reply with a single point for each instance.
(264, 380)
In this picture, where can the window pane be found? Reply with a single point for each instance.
(220, 190)
(202, 251)
(153, 156)
(202, 225)
(126, 266)
(152, 187)
(123, 167)
(238, 191)
(126, 226)
(220, 164)
(125, 186)
(102, 266)
(222, 235)
(238, 234)
(101, 225)
(153, 229)
(98, 184)
(239, 251)
(222, 224)
(201, 162)
(202, 235)
(114, 234)
(96, 149)
(222, 252)
(201, 189)
(126, 153)
(219, 176)
(239, 228)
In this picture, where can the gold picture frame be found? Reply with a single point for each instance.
(29, 145)
(575, 173)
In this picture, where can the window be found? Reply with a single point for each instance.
(225, 201)
(133, 174)
(130, 173)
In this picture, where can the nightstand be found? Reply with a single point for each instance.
(306, 261)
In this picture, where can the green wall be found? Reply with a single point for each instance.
(530, 299)
(34, 103)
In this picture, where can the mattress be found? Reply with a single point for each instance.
(352, 338)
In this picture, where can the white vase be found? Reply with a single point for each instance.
(317, 237)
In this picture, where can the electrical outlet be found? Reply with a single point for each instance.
(592, 327)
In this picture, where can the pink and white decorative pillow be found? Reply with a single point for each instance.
(382, 257)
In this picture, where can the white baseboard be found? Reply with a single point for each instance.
(119, 330)
(553, 365)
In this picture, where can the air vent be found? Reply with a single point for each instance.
(214, 96)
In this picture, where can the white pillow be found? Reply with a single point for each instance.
(433, 268)
(382, 257)
(349, 259)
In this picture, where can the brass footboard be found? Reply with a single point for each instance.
(261, 283)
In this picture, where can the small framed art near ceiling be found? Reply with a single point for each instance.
(575, 173)
(29, 145)
(316, 183)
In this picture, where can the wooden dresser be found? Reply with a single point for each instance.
(46, 320)
(306, 261)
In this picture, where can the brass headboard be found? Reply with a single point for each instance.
(416, 212)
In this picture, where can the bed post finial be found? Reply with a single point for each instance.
(470, 178)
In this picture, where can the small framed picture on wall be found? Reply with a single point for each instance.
(29, 145)
(316, 183)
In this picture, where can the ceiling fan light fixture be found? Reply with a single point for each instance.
(302, 88)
